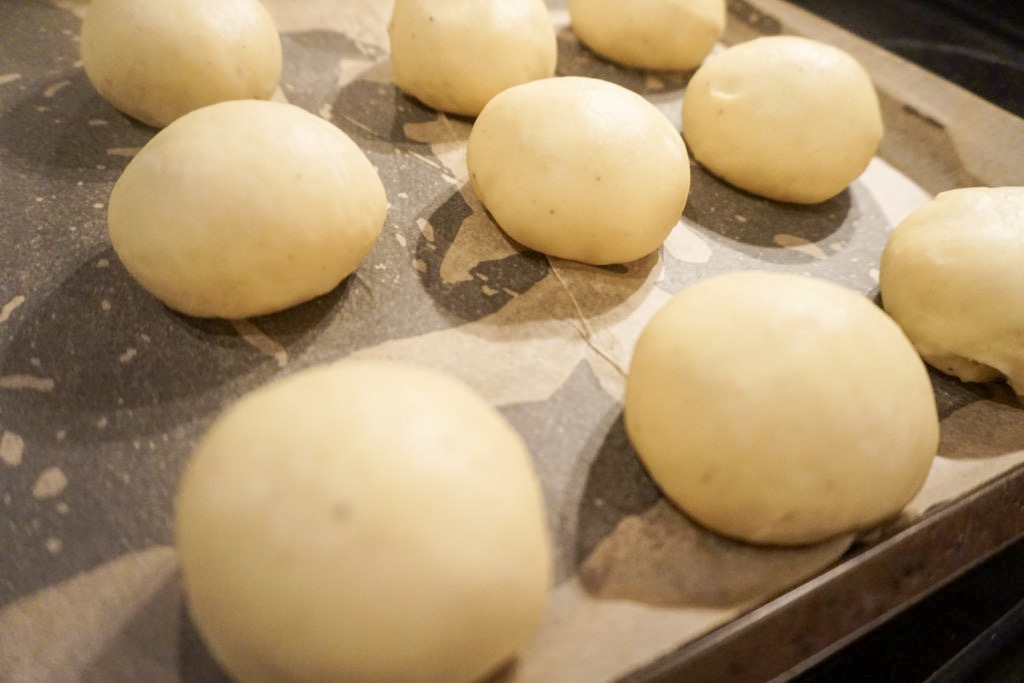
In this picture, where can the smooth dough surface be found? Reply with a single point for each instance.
(363, 521)
(952, 276)
(779, 408)
(456, 56)
(244, 208)
(788, 118)
(650, 34)
(579, 168)
(158, 59)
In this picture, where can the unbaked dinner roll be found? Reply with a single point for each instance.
(455, 55)
(787, 118)
(245, 207)
(779, 408)
(952, 276)
(364, 521)
(579, 168)
(158, 59)
(649, 34)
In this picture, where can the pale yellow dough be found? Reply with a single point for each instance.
(579, 168)
(788, 118)
(650, 34)
(158, 59)
(952, 276)
(364, 521)
(244, 208)
(455, 55)
(779, 408)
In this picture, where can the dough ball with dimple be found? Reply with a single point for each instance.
(244, 208)
(778, 408)
(952, 276)
(455, 55)
(788, 118)
(158, 59)
(649, 34)
(364, 521)
(579, 168)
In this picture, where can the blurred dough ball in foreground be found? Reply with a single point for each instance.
(579, 168)
(363, 521)
(787, 118)
(244, 208)
(649, 34)
(779, 408)
(455, 55)
(952, 276)
(158, 59)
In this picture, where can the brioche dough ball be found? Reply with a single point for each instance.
(158, 59)
(364, 521)
(579, 168)
(952, 276)
(245, 207)
(787, 118)
(455, 56)
(649, 34)
(778, 408)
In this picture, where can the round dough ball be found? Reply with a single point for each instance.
(244, 208)
(158, 59)
(779, 408)
(952, 277)
(650, 34)
(456, 56)
(579, 168)
(364, 521)
(787, 118)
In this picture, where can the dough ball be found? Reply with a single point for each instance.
(779, 408)
(364, 521)
(158, 59)
(245, 207)
(649, 34)
(952, 276)
(787, 118)
(455, 56)
(579, 168)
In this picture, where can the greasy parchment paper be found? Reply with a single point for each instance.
(103, 392)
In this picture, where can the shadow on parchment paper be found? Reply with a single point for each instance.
(195, 662)
(747, 219)
(618, 486)
(145, 648)
(492, 282)
(632, 544)
(110, 347)
(197, 665)
(984, 428)
(72, 134)
(662, 558)
(921, 148)
(576, 59)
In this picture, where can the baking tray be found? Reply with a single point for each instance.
(103, 391)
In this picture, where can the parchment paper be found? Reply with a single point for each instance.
(103, 391)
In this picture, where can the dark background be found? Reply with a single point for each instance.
(973, 629)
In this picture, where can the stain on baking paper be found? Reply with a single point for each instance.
(12, 448)
(9, 307)
(51, 483)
